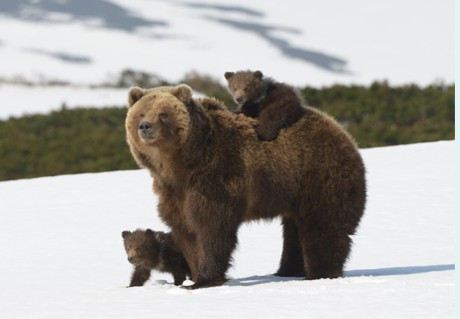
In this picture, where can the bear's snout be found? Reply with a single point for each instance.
(147, 130)
(145, 127)
(239, 99)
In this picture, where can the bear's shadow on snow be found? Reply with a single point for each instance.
(392, 271)
(110, 14)
(259, 280)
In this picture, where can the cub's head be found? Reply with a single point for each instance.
(141, 247)
(246, 86)
(158, 117)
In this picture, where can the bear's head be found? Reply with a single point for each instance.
(158, 117)
(142, 247)
(246, 86)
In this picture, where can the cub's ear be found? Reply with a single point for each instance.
(228, 75)
(183, 92)
(125, 233)
(134, 95)
(148, 231)
(258, 74)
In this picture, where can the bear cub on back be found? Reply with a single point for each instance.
(276, 105)
(154, 250)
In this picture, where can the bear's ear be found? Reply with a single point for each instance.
(228, 75)
(183, 92)
(148, 231)
(258, 74)
(134, 95)
(125, 233)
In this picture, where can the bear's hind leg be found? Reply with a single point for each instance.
(179, 278)
(292, 263)
(325, 253)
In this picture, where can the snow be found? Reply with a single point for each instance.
(315, 43)
(301, 42)
(62, 253)
(23, 100)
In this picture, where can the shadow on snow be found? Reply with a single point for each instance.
(392, 271)
(110, 14)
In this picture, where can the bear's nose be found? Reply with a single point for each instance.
(239, 99)
(145, 127)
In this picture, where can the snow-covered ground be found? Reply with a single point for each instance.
(62, 254)
(307, 42)
(61, 251)
(22, 100)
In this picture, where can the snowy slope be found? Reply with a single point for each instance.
(300, 42)
(308, 42)
(62, 254)
(23, 100)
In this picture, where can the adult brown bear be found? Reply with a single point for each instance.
(212, 173)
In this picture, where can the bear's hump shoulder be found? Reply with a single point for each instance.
(212, 104)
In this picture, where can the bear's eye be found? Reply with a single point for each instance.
(164, 115)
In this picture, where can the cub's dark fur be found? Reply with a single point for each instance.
(276, 105)
(154, 250)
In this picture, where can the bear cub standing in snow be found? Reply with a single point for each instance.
(148, 249)
(276, 105)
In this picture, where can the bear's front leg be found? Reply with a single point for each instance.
(187, 244)
(215, 246)
(139, 277)
(214, 224)
(271, 121)
(267, 130)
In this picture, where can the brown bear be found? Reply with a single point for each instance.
(212, 173)
(154, 250)
(276, 105)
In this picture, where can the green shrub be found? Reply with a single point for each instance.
(210, 86)
(381, 115)
(64, 142)
(93, 140)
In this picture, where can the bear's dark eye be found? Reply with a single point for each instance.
(164, 115)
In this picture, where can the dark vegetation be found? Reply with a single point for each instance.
(92, 140)
(381, 115)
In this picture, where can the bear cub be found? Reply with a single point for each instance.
(154, 250)
(276, 105)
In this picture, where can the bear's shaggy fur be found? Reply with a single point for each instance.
(153, 250)
(212, 173)
(276, 105)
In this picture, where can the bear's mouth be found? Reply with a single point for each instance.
(147, 137)
(239, 100)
